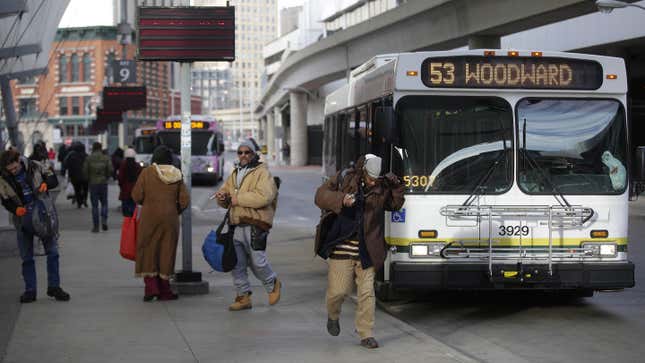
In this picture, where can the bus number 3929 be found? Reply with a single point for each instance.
(513, 231)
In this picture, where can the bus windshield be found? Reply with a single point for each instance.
(455, 144)
(571, 146)
(203, 142)
(144, 144)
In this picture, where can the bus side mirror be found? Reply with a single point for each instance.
(385, 128)
(638, 175)
(220, 147)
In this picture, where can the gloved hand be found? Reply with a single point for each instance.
(43, 187)
(21, 211)
(391, 179)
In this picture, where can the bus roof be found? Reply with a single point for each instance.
(480, 71)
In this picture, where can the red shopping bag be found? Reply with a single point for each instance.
(128, 249)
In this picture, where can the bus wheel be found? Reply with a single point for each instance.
(384, 291)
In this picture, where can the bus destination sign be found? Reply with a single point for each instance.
(176, 125)
(511, 72)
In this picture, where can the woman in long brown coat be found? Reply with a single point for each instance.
(162, 193)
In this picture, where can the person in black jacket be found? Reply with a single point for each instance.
(21, 182)
(74, 165)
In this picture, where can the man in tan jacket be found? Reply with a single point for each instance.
(251, 194)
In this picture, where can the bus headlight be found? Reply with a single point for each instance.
(426, 249)
(210, 169)
(142, 164)
(602, 249)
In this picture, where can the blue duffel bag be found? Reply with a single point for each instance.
(218, 248)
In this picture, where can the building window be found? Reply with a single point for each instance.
(87, 67)
(108, 67)
(86, 105)
(76, 109)
(27, 107)
(62, 106)
(69, 130)
(62, 68)
(75, 67)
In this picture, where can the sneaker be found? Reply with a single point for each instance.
(274, 296)
(369, 343)
(28, 297)
(333, 327)
(95, 229)
(242, 302)
(105, 226)
(58, 294)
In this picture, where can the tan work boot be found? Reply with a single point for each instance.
(241, 303)
(274, 296)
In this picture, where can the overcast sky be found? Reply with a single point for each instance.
(99, 12)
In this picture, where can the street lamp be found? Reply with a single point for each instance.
(607, 6)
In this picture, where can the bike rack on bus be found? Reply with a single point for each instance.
(555, 217)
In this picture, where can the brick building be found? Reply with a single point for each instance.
(60, 106)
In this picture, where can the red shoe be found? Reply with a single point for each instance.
(165, 293)
(152, 288)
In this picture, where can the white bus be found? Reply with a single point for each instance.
(515, 165)
(144, 144)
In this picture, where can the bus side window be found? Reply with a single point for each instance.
(362, 131)
(350, 146)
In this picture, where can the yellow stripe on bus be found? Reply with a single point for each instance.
(397, 241)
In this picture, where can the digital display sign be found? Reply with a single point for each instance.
(186, 34)
(147, 132)
(176, 125)
(124, 98)
(511, 72)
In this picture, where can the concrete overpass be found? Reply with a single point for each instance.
(414, 25)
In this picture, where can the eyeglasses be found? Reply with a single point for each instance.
(244, 152)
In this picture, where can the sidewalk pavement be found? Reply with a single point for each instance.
(107, 321)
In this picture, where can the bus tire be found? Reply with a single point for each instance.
(384, 291)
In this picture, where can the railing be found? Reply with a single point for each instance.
(553, 217)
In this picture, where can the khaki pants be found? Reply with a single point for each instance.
(339, 284)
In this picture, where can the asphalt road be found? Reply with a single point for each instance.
(608, 327)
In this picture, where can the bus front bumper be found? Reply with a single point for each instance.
(593, 276)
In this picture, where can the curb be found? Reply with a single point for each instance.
(421, 336)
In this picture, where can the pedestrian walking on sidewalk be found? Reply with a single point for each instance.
(161, 191)
(74, 165)
(97, 169)
(355, 245)
(251, 194)
(129, 171)
(21, 182)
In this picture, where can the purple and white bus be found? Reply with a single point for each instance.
(207, 145)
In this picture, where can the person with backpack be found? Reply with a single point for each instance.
(354, 243)
(22, 182)
(252, 195)
(97, 169)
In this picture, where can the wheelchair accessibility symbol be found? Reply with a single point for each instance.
(398, 216)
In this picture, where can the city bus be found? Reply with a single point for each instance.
(207, 145)
(514, 163)
(144, 144)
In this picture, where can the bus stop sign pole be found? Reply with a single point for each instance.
(187, 281)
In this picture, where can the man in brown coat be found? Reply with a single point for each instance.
(355, 243)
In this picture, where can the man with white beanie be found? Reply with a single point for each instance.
(251, 194)
(354, 243)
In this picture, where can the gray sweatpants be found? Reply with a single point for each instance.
(248, 257)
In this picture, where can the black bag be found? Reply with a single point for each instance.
(259, 238)
(229, 256)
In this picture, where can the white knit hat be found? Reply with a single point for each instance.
(248, 143)
(130, 153)
(372, 165)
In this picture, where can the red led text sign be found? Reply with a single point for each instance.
(186, 34)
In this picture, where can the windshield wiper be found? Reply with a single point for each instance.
(534, 165)
(489, 172)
